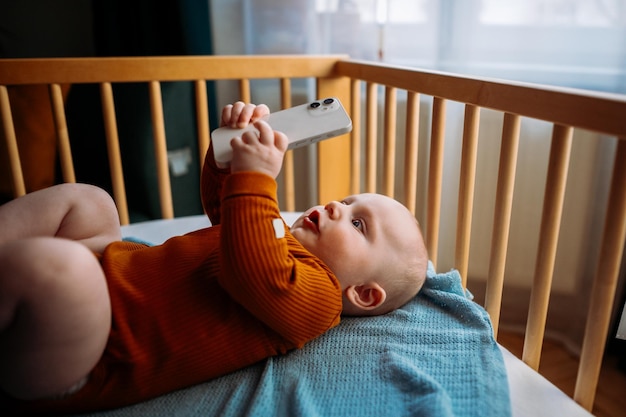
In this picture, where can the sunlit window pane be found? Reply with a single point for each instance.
(578, 43)
(599, 13)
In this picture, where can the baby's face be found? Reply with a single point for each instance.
(357, 236)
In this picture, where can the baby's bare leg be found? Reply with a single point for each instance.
(79, 212)
(55, 316)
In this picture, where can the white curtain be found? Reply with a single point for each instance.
(578, 43)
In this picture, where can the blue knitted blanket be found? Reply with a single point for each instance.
(436, 356)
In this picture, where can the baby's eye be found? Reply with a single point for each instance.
(357, 223)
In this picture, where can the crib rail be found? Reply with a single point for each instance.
(350, 166)
(154, 71)
(569, 107)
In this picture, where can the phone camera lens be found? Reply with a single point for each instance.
(328, 101)
(315, 105)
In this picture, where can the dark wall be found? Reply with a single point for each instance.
(44, 28)
(68, 28)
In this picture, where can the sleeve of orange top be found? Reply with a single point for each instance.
(211, 186)
(275, 278)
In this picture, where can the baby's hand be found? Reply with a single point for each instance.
(239, 114)
(263, 153)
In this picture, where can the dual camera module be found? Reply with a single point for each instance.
(316, 104)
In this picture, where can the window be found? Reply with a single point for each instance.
(578, 43)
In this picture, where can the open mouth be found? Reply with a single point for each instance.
(312, 221)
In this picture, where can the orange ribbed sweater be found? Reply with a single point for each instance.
(209, 302)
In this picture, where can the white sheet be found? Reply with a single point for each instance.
(531, 394)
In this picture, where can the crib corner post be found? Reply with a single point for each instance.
(333, 156)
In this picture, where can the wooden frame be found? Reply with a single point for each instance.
(340, 171)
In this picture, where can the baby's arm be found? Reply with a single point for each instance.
(236, 115)
(266, 270)
(263, 267)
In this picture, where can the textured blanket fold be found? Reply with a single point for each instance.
(436, 356)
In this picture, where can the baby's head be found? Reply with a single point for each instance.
(374, 246)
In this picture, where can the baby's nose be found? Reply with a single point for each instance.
(333, 209)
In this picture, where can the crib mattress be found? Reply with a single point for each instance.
(531, 394)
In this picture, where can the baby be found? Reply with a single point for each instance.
(89, 322)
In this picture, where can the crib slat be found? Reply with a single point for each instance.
(244, 90)
(289, 181)
(288, 167)
(17, 176)
(548, 238)
(435, 176)
(605, 284)
(285, 92)
(65, 152)
(502, 217)
(389, 153)
(355, 135)
(160, 151)
(411, 150)
(333, 156)
(371, 134)
(202, 119)
(466, 190)
(113, 149)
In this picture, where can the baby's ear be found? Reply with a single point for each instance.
(367, 296)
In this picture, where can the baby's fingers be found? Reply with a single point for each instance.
(268, 136)
(281, 141)
(233, 113)
(259, 112)
(227, 111)
(238, 115)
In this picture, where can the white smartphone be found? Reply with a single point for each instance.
(304, 124)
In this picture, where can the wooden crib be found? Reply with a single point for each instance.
(386, 162)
